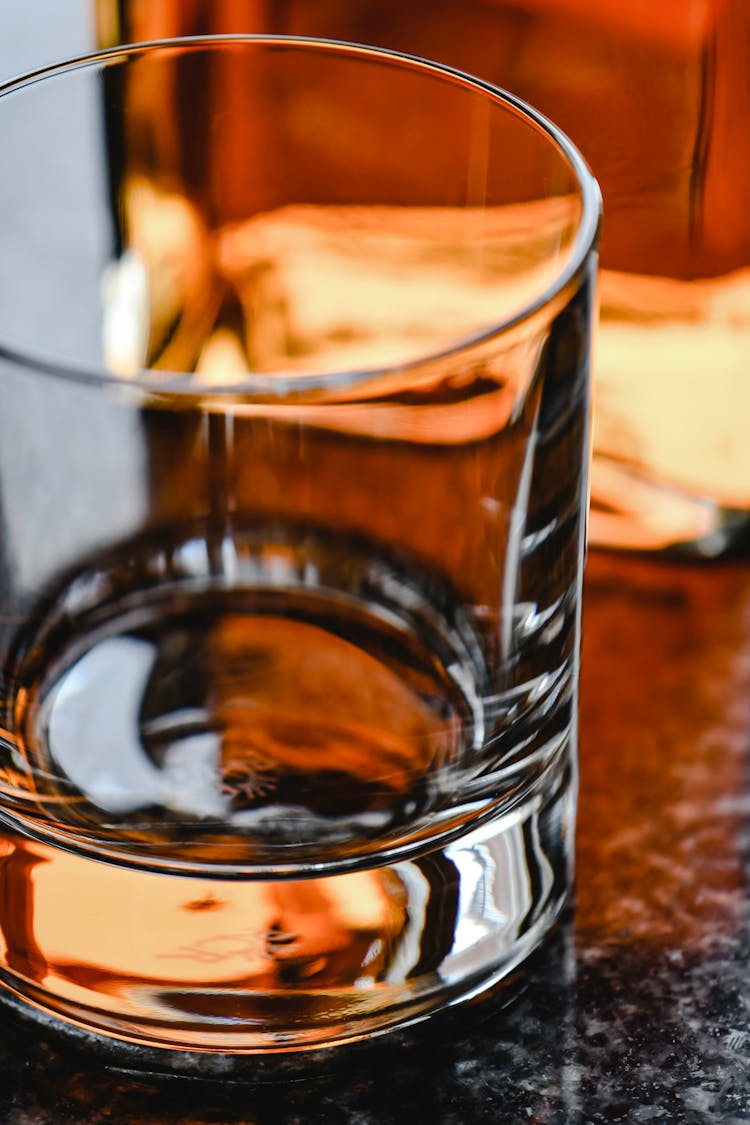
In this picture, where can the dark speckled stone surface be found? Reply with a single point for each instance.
(639, 1008)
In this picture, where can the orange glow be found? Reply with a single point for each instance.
(672, 358)
(94, 931)
(672, 393)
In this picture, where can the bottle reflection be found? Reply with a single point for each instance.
(671, 464)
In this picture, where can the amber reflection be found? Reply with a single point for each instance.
(371, 740)
(596, 66)
(132, 930)
(340, 242)
(327, 288)
(22, 952)
(269, 222)
(671, 363)
(664, 718)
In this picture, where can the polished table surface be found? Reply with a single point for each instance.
(638, 1010)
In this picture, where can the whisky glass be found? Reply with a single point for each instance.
(294, 348)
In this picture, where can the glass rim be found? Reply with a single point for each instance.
(282, 383)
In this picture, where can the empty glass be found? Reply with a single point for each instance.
(294, 344)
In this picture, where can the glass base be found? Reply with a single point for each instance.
(252, 966)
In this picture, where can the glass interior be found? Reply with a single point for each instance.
(251, 206)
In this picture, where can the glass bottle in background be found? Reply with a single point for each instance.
(657, 95)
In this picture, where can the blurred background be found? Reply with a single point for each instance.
(56, 31)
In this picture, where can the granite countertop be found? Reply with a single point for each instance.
(638, 1010)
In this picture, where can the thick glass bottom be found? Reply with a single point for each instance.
(252, 965)
(278, 807)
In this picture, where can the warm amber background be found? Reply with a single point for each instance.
(642, 87)
(657, 96)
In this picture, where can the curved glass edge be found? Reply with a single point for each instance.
(282, 383)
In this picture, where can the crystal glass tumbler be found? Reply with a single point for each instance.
(294, 344)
